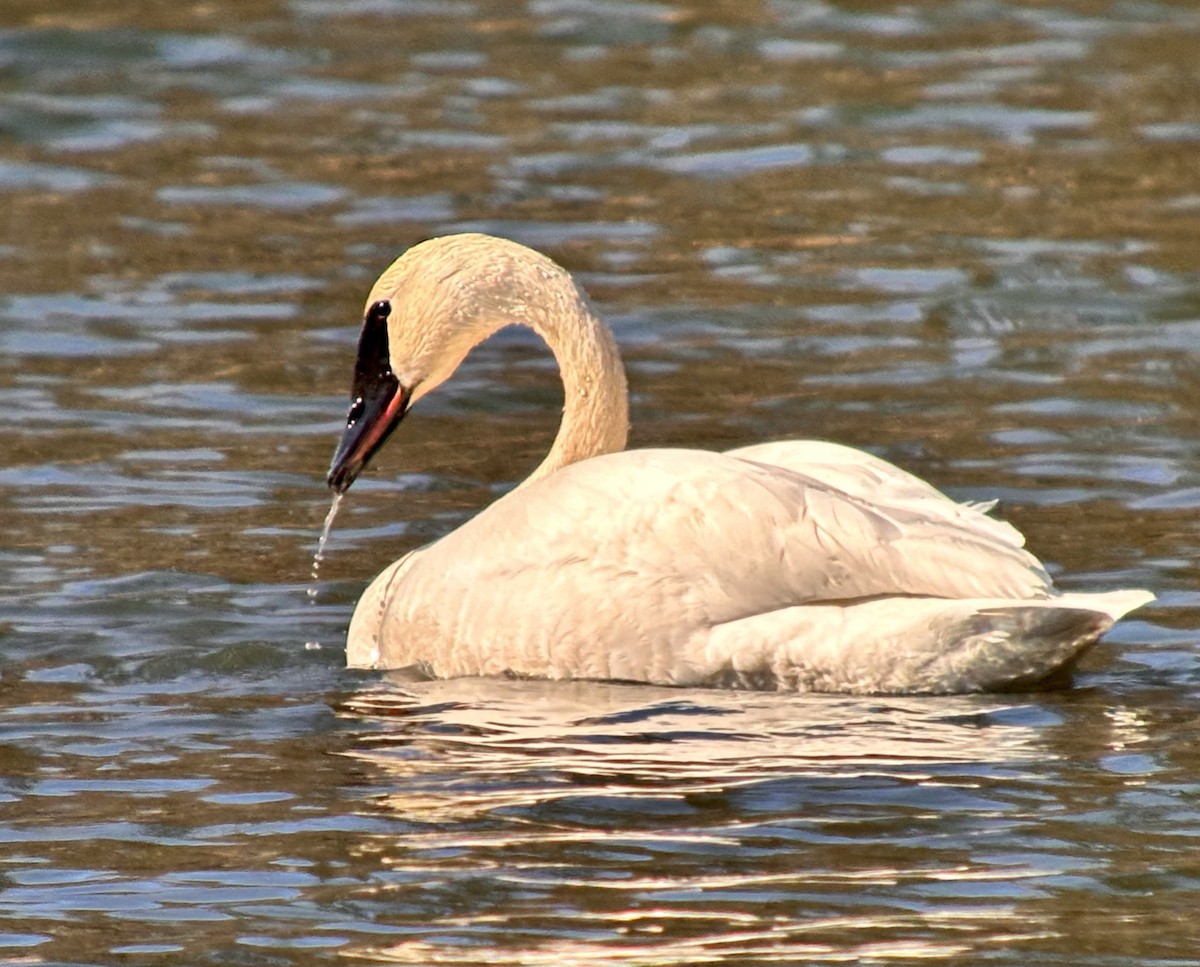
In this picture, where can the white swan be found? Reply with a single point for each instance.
(794, 565)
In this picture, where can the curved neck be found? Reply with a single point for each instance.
(595, 395)
(449, 294)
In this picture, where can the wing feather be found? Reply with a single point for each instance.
(721, 537)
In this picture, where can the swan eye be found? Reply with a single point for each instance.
(379, 311)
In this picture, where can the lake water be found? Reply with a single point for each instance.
(962, 235)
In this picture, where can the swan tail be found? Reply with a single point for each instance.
(914, 645)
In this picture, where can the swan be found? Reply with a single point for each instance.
(794, 565)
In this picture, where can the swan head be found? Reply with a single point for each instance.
(423, 315)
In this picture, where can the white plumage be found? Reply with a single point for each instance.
(801, 565)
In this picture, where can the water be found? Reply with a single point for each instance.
(961, 235)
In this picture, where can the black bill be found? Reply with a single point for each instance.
(378, 402)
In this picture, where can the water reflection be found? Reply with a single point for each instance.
(643, 737)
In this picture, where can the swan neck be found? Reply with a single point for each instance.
(595, 394)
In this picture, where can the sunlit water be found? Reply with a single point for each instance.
(962, 235)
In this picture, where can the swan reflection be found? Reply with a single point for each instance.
(542, 741)
(592, 823)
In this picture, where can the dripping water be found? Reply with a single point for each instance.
(318, 557)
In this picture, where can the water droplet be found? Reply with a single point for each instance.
(319, 556)
(314, 589)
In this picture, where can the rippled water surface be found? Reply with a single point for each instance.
(962, 235)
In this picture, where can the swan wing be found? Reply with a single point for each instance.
(871, 478)
(765, 535)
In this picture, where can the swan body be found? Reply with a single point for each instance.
(798, 564)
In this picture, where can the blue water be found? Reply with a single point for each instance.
(961, 235)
